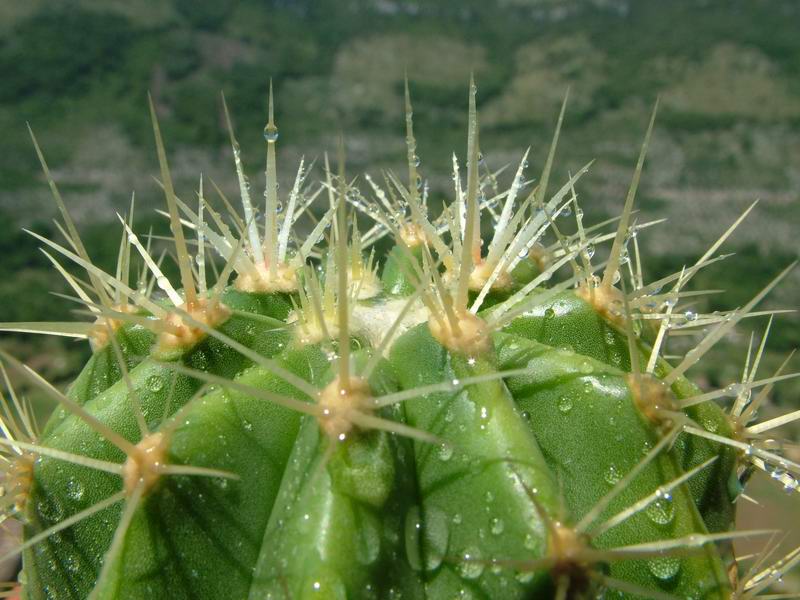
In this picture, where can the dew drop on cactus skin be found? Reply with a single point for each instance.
(471, 566)
(75, 490)
(369, 542)
(612, 475)
(413, 527)
(664, 567)
(154, 383)
(661, 511)
(445, 452)
(496, 525)
(436, 538)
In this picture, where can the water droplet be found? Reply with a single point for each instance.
(472, 566)
(154, 383)
(436, 537)
(777, 473)
(565, 404)
(163, 283)
(524, 576)
(445, 452)
(270, 134)
(664, 567)
(612, 475)
(496, 525)
(413, 529)
(734, 389)
(661, 510)
(73, 563)
(50, 510)
(710, 424)
(74, 490)
(690, 315)
(368, 547)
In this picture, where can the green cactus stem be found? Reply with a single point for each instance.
(460, 418)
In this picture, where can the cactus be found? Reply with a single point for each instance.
(450, 420)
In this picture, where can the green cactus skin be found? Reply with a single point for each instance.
(563, 397)
(102, 369)
(580, 328)
(360, 434)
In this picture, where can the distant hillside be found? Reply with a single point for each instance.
(727, 72)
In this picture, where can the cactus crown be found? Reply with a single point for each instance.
(454, 419)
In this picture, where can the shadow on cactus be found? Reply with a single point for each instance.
(456, 419)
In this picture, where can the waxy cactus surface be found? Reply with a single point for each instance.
(483, 412)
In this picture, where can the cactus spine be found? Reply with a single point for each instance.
(448, 421)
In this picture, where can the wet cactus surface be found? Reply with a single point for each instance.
(466, 416)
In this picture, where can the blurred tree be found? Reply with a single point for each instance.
(59, 53)
(205, 14)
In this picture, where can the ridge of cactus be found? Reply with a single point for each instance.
(466, 416)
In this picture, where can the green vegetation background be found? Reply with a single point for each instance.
(727, 71)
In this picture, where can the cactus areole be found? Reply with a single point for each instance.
(466, 416)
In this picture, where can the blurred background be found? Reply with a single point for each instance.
(728, 131)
